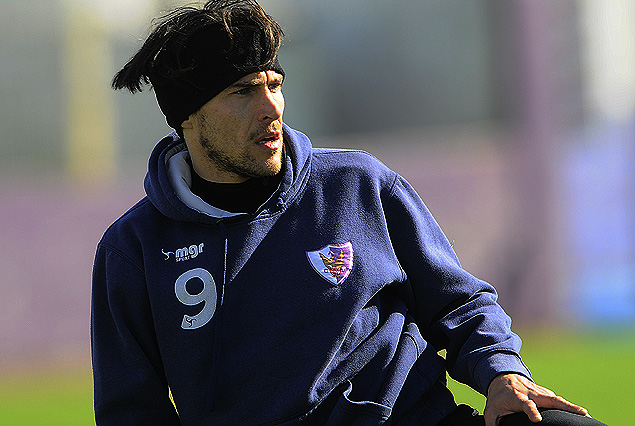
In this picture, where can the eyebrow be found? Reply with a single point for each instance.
(254, 83)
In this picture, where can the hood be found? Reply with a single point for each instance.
(169, 178)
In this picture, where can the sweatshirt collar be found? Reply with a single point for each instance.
(168, 180)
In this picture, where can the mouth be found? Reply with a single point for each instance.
(271, 140)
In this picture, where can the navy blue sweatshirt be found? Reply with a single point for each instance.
(327, 306)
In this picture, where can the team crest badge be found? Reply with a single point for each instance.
(332, 262)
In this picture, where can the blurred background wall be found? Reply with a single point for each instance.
(514, 119)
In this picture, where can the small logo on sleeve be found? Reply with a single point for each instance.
(332, 262)
(185, 253)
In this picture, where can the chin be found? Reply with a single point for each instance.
(274, 165)
(272, 170)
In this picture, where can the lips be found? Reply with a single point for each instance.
(270, 138)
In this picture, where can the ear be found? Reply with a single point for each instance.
(188, 124)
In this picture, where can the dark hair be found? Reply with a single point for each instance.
(161, 56)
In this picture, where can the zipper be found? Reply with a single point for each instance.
(217, 326)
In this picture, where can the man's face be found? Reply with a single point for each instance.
(238, 133)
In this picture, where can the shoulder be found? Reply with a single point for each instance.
(130, 226)
(350, 161)
(345, 155)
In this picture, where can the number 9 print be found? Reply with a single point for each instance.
(206, 296)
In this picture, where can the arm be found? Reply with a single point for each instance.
(130, 384)
(461, 313)
(454, 310)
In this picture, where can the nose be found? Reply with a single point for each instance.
(271, 105)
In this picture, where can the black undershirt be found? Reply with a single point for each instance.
(243, 197)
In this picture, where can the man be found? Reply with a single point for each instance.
(265, 282)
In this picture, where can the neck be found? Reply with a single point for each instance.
(238, 197)
(213, 176)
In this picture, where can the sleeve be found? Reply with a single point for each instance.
(129, 381)
(454, 310)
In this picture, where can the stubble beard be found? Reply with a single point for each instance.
(243, 165)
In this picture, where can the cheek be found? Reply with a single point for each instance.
(222, 124)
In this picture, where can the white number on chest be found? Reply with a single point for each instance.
(207, 296)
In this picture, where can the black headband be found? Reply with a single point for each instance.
(209, 66)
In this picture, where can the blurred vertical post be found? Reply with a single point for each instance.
(610, 65)
(547, 86)
(90, 124)
(602, 172)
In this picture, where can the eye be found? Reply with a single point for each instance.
(244, 91)
(275, 87)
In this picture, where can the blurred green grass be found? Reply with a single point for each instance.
(47, 398)
(593, 369)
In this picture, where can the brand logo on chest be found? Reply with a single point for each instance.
(185, 253)
(332, 262)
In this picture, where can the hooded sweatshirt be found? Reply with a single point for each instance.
(327, 306)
